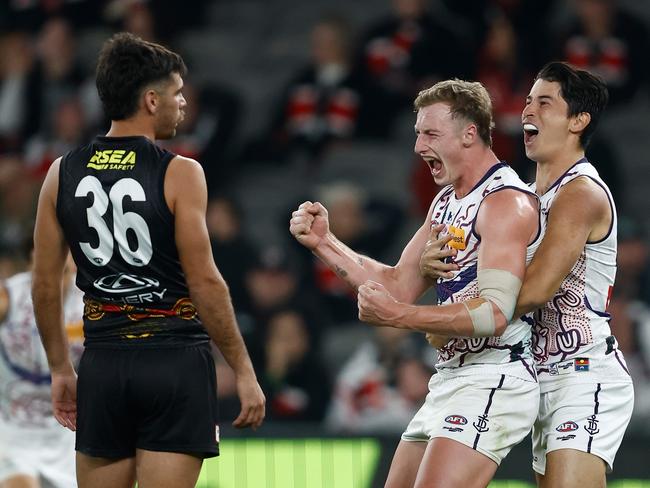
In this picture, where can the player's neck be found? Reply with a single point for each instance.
(131, 127)
(474, 169)
(549, 171)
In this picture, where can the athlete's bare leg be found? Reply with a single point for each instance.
(570, 468)
(20, 481)
(450, 464)
(96, 472)
(166, 469)
(406, 462)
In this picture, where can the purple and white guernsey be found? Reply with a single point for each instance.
(459, 217)
(24, 374)
(571, 332)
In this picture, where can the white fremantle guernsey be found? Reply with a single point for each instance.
(24, 374)
(571, 335)
(511, 352)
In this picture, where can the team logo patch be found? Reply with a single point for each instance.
(456, 419)
(112, 159)
(124, 283)
(568, 437)
(458, 239)
(565, 367)
(582, 364)
(481, 424)
(592, 425)
(569, 426)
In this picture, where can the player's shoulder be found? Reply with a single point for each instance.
(583, 189)
(183, 163)
(510, 206)
(184, 178)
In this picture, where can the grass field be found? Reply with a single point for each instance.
(312, 463)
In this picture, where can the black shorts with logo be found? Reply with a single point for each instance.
(161, 399)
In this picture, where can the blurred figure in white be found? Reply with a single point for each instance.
(35, 451)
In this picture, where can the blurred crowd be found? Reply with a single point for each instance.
(317, 104)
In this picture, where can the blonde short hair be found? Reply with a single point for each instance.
(467, 99)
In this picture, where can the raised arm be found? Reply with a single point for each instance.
(310, 226)
(580, 213)
(507, 222)
(186, 195)
(50, 252)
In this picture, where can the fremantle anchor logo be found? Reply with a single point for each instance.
(592, 425)
(481, 425)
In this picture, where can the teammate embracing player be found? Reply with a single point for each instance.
(484, 398)
(587, 394)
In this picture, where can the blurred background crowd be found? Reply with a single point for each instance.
(291, 100)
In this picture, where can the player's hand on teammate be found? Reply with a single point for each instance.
(377, 306)
(432, 265)
(309, 224)
(64, 397)
(252, 402)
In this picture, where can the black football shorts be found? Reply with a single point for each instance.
(161, 399)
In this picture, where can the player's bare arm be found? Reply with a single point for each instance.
(50, 253)
(502, 254)
(309, 224)
(186, 195)
(580, 213)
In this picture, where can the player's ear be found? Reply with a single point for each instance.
(151, 101)
(579, 122)
(469, 135)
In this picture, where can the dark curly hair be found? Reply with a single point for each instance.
(126, 65)
(581, 90)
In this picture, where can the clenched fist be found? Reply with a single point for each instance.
(309, 224)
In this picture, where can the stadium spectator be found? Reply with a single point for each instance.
(381, 386)
(321, 105)
(208, 132)
(609, 42)
(294, 378)
(233, 251)
(403, 52)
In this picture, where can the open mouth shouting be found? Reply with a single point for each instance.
(435, 165)
(530, 133)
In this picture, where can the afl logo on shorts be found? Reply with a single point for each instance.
(456, 420)
(567, 427)
(124, 283)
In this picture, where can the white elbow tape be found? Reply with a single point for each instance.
(501, 288)
(482, 319)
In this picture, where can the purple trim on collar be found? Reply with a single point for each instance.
(559, 180)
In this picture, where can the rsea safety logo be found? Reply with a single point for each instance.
(112, 159)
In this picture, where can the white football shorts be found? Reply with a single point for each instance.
(489, 413)
(588, 417)
(49, 456)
